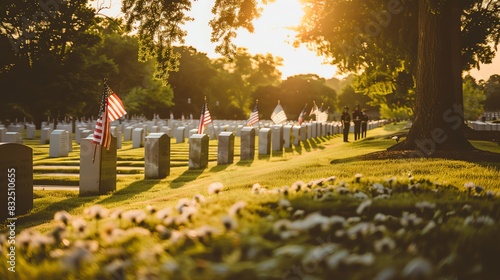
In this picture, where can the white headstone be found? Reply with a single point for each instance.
(59, 143)
(138, 138)
(45, 135)
(13, 137)
(30, 131)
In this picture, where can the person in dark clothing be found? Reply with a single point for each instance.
(364, 123)
(356, 116)
(345, 118)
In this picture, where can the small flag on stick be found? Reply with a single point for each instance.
(278, 116)
(111, 109)
(205, 118)
(302, 115)
(254, 116)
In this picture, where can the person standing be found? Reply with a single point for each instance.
(356, 116)
(364, 123)
(345, 118)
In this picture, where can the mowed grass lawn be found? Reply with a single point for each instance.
(290, 215)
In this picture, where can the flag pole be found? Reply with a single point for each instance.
(105, 80)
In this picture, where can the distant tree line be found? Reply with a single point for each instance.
(52, 67)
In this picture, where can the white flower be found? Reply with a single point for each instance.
(363, 206)
(183, 202)
(334, 261)
(298, 186)
(281, 225)
(284, 203)
(469, 185)
(256, 188)
(163, 231)
(418, 268)
(62, 216)
(215, 188)
(425, 205)
(164, 213)
(236, 208)
(292, 251)
(360, 195)
(75, 257)
(430, 225)
(151, 209)
(96, 212)
(298, 214)
(410, 220)
(200, 199)
(363, 260)
(358, 176)
(79, 224)
(229, 223)
(384, 245)
(134, 216)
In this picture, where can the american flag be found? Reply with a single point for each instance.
(254, 116)
(111, 109)
(205, 118)
(314, 109)
(302, 115)
(278, 116)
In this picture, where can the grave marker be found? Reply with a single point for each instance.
(59, 143)
(97, 176)
(16, 180)
(157, 156)
(247, 147)
(198, 151)
(225, 151)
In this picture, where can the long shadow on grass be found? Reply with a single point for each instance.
(186, 177)
(130, 191)
(219, 168)
(44, 215)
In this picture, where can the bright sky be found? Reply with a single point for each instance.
(271, 35)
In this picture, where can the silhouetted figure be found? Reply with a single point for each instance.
(356, 116)
(345, 118)
(364, 123)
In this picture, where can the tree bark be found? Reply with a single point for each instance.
(438, 123)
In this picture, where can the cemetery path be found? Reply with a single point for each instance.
(55, 188)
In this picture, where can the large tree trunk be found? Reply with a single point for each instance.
(438, 123)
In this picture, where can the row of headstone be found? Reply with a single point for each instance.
(487, 126)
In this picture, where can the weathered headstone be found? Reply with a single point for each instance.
(84, 134)
(59, 143)
(137, 137)
(265, 141)
(314, 130)
(247, 146)
(13, 137)
(277, 138)
(225, 151)
(3, 130)
(118, 135)
(309, 130)
(16, 180)
(198, 151)
(192, 132)
(157, 156)
(303, 132)
(179, 134)
(167, 130)
(30, 131)
(127, 134)
(296, 135)
(97, 176)
(287, 136)
(45, 135)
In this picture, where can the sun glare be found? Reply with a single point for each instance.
(273, 34)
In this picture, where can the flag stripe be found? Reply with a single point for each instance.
(254, 116)
(115, 107)
(278, 116)
(111, 109)
(205, 118)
